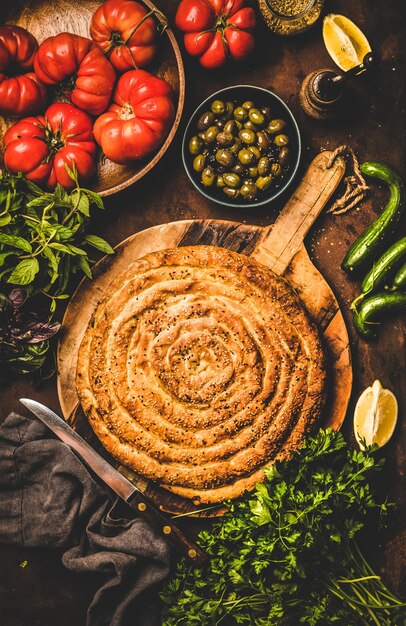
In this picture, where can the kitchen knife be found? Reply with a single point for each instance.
(118, 483)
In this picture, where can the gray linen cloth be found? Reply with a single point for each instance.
(49, 499)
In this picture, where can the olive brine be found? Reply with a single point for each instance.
(240, 149)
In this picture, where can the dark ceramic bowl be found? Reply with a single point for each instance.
(261, 97)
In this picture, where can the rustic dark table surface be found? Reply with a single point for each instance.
(43, 593)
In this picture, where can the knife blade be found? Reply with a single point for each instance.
(118, 483)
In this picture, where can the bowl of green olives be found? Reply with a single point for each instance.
(242, 146)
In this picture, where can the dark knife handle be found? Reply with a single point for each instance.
(164, 525)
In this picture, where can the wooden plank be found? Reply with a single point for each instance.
(281, 241)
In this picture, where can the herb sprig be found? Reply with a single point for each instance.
(43, 242)
(286, 554)
(43, 238)
(24, 335)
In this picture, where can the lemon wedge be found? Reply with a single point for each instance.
(344, 41)
(375, 415)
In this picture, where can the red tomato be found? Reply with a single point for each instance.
(81, 69)
(140, 118)
(125, 34)
(216, 30)
(39, 147)
(21, 93)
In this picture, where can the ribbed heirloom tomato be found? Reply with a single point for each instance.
(126, 33)
(39, 147)
(216, 30)
(21, 92)
(81, 69)
(138, 120)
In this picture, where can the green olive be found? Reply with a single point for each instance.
(232, 180)
(236, 145)
(263, 140)
(276, 169)
(250, 125)
(224, 157)
(256, 117)
(283, 156)
(225, 139)
(263, 182)
(239, 169)
(211, 134)
(246, 157)
(248, 104)
(264, 166)
(248, 190)
(255, 152)
(218, 107)
(205, 120)
(275, 126)
(208, 176)
(231, 127)
(220, 181)
(266, 112)
(240, 114)
(281, 140)
(253, 171)
(230, 191)
(195, 145)
(228, 113)
(199, 163)
(247, 136)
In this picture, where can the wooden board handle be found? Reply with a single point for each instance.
(281, 241)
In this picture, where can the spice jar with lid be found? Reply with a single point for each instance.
(290, 17)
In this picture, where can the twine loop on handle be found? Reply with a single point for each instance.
(356, 187)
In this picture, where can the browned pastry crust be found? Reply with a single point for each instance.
(198, 368)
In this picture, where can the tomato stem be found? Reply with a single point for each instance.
(164, 22)
(126, 112)
(66, 86)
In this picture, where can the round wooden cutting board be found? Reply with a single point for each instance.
(279, 247)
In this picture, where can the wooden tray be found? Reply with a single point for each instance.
(45, 18)
(279, 246)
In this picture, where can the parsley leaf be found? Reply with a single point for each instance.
(286, 554)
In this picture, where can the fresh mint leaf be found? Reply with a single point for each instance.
(15, 242)
(84, 266)
(3, 257)
(4, 220)
(75, 250)
(72, 172)
(95, 198)
(25, 272)
(99, 244)
(81, 202)
(61, 248)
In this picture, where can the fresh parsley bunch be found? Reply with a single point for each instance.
(286, 555)
(43, 235)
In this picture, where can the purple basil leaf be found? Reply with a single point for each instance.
(42, 331)
(17, 297)
(34, 331)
